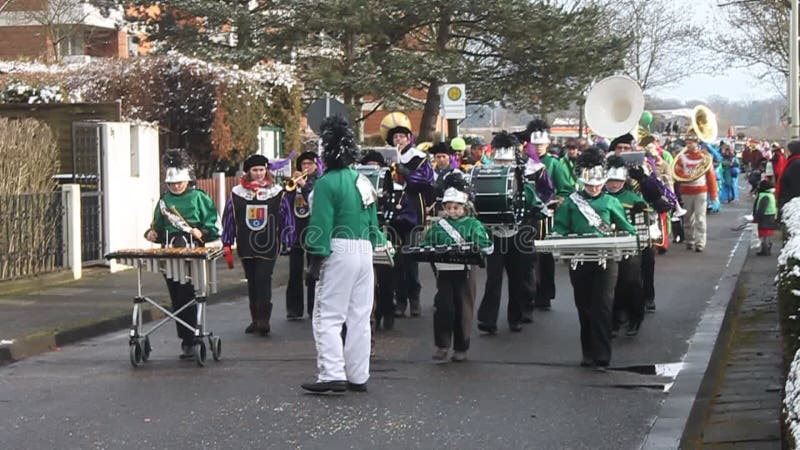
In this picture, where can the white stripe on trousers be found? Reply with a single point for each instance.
(344, 295)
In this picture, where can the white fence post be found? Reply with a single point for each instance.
(220, 194)
(71, 229)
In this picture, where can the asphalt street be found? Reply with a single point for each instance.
(517, 390)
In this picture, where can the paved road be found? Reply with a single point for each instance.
(520, 390)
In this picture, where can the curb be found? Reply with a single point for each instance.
(683, 410)
(44, 341)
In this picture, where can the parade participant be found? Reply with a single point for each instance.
(455, 292)
(254, 216)
(307, 169)
(693, 168)
(344, 232)
(413, 173)
(788, 186)
(383, 311)
(444, 166)
(183, 217)
(628, 293)
(459, 146)
(593, 282)
(546, 266)
(514, 251)
(730, 175)
(765, 211)
(645, 181)
(568, 160)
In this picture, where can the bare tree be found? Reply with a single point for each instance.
(61, 19)
(662, 43)
(756, 37)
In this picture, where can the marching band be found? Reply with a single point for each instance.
(363, 223)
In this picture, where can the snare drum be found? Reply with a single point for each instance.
(376, 176)
(494, 188)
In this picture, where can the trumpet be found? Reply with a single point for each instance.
(291, 184)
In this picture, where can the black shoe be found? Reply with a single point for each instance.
(515, 327)
(587, 362)
(187, 351)
(543, 305)
(527, 315)
(250, 328)
(601, 366)
(698, 249)
(400, 311)
(661, 250)
(415, 309)
(487, 328)
(325, 386)
(614, 332)
(355, 387)
(388, 323)
(633, 328)
(294, 317)
(650, 306)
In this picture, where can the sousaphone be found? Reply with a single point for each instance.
(704, 125)
(614, 106)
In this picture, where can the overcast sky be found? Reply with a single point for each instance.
(734, 84)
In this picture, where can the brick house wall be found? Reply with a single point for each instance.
(24, 42)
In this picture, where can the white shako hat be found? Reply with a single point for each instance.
(454, 195)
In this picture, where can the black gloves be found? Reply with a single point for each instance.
(314, 267)
(638, 207)
(637, 173)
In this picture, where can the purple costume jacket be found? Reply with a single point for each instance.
(418, 184)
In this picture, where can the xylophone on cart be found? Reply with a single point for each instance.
(577, 249)
(184, 265)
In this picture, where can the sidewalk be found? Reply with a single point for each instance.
(743, 409)
(43, 314)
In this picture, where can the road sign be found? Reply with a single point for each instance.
(323, 108)
(454, 101)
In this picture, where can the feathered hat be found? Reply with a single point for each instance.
(504, 145)
(440, 147)
(537, 132)
(590, 165)
(339, 147)
(177, 166)
(616, 168)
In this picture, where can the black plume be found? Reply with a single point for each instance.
(537, 125)
(178, 158)
(589, 158)
(504, 139)
(615, 161)
(339, 147)
(456, 180)
(440, 147)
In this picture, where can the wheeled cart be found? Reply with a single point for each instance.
(184, 265)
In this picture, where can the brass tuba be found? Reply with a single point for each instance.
(704, 125)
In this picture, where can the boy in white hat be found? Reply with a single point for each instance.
(455, 293)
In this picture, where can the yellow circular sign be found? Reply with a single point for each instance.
(454, 93)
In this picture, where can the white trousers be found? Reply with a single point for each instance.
(344, 295)
(696, 219)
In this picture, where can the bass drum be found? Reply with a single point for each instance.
(378, 177)
(494, 188)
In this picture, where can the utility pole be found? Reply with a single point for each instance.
(794, 94)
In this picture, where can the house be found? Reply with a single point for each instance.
(54, 29)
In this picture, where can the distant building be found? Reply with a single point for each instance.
(85, 33)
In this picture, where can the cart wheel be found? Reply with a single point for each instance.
(200, 353)
(146, 349)
(136, 354)
(215, 343)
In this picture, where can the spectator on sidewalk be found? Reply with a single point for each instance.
(764, 213)
(788, 186)
(183, 217)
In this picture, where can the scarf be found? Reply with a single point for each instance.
(253, 185)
